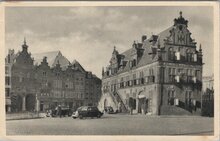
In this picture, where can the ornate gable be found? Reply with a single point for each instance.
(179, 34)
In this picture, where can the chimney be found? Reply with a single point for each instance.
(144, 37)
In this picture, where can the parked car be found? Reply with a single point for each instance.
(65, 111)
(109, 110)
(87, 111)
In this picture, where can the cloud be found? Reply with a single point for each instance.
(89, 33)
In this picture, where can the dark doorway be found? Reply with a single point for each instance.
(30, 102)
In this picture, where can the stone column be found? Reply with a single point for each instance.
(24, 103)
(37, 106)
(137, 102)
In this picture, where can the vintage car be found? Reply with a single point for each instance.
(87, 111)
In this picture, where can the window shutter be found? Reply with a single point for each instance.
(177, 55)
(177, 78)
(176, 102)
(194, 102)
(137, 81)
(194, 79)
(195, 57)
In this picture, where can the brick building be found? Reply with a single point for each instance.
(159, 75)
(50, 80)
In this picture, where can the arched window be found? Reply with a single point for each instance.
(171, 54)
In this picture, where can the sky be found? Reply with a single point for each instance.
(89, 34)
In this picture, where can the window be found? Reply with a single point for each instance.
(7, 92)
(7, 80)
(171, 97)
(58, 83)
(44, 74)
(6, 70)
(57, 74)
(20, 78)
(188, 98)
(197, 74)
(171, 54)
(188, 55)
(171, 72)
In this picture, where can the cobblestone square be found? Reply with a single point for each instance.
(113, 125)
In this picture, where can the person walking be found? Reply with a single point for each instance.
(59, 111)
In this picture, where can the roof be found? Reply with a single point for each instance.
(147, 56)
(77, 65)
(164, 34)
(53, 58)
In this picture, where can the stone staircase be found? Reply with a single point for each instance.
(117, 99)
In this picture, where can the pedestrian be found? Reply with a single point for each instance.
(59, 111)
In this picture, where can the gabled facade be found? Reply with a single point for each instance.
(48, 81)
(160, 75)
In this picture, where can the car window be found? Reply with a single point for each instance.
(89, 109)
(94, 108)
(84, 108)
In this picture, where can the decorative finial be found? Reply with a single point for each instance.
(24, 41)
(114, 48)
(58, 62)
(200, 48)
(103, 71)
(158, 41)
(181, 13)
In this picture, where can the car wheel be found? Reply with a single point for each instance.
(74, 117)
(80, 116)
(98, 116)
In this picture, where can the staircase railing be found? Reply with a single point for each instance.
(118, 99)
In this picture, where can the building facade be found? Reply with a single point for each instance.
(159, 75)
(208, 96)
(48, 81)
(9, 60)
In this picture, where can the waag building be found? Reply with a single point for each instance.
(161, 75)
(43, 81)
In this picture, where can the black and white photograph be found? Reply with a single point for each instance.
(117, 69)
